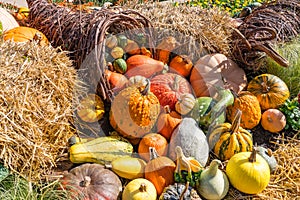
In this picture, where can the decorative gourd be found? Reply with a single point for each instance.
(268, 156)
(21, 14)
(120, 65)
(25, 34)
(117, 52)
(137, 80)
(214, 70)
(100, 150)
(249, 105)
(273, 120)
(116, 80)
(182, 65)
(128, 167)
(178, 191)
(248, 172)
(122, 41)
(228, 139)
(270, 90)
(91, 108)
(139, 189)
(146, 52)
(169, 87)
(167, 121)
(143, 65)
(132, 47)
(155, 140)
(159, 170)
(7, 20)
(185, 103)
(90, 182)
(164, 49)
(111, 41)
(134, 111)
(213, 183)
(191, 139)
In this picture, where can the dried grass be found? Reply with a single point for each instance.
(37, 87)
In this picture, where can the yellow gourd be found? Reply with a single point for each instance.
(139, 189)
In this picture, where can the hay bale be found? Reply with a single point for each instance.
(37, 87)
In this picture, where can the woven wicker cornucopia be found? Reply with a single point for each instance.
(83, 33)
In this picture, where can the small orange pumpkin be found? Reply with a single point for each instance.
(273, 120)
(182, 65)
(116, 80)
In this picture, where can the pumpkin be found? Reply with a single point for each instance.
(213, 183)
(169, 87)
(268, 156)
(159, 170)
(214, 70)
(191, 139)
(111, 41)
(120, 65)
(132, 47)
(167, 121)
(137, 80)
(270, 90)
(134, 111)
(128, 167)
(7, 20)
(228, 139)
(182, 65)
(143, 65)
(91, 108)
(116, 80)
(178, 191)
(273, 120)
(100, 150)
(90, 182)
(24, 34)
(185, 103)
(164, 49)
(117, 52)
(146, 52)
(122, 41)
(139, 189)
(249, 105)
(155, 140)
(248, 172)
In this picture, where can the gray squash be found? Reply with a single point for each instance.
(267, 155)
(191, 139)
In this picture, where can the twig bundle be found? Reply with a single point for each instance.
(83, 33)
(271, 23)
(36, 107)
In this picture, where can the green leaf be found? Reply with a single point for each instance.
(1, 28)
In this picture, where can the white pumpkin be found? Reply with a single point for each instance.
(7, 20)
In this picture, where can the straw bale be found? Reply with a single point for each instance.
(37, 87)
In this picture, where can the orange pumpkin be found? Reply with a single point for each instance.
(182, 65)
(116, 80)
(24, 34)
(155, 140)
(273, 120)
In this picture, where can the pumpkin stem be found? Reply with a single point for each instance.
(167, 109)
(269, 152)
(252, 157)
(143, 187)
(213, 167)
(175, 85)
(147, 88)
(86, 182)
(236, 121)
(265, 87)
(153, 153)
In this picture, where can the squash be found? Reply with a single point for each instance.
(139, 189)
(91, 108)
(152, 140)
(178, 191)
(120, 65)
(182, 65)
(214, 70)
(248, 172)
(159, 170)
(132, 47)
(273, 120)
(25, 34)
(185, 103)
(116, 80)
(167, 121)
(100, 150)
(122, 41)
(268, 156)
(146, 52)
(7, 20)
(169, 87)
(249, 105)
(228, 139)
(191, 139)
(117, 52)
(111, 41)
(213, 183)
(90, 182)
(270, 90)
(143, 65)
(164, 49)
(128, 167)
(137, 80)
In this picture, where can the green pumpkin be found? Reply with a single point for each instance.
(120, 65)
(122, 41)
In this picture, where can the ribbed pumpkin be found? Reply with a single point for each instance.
(249, 105)
(24, 34)
(270, 90)
(185, 103)
(228, 139)
(134, 111)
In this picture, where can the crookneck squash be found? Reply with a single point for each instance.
(270, 90)
(228, 139)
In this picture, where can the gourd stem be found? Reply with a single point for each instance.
(86, 182)
(147, 88)
(213, 167)
(143, 187)
(265, 87)
(153, 153)
(187, 185)
(167, 109)
(252, 157)
(236, 121)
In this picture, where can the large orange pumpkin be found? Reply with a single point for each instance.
(24, 34)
